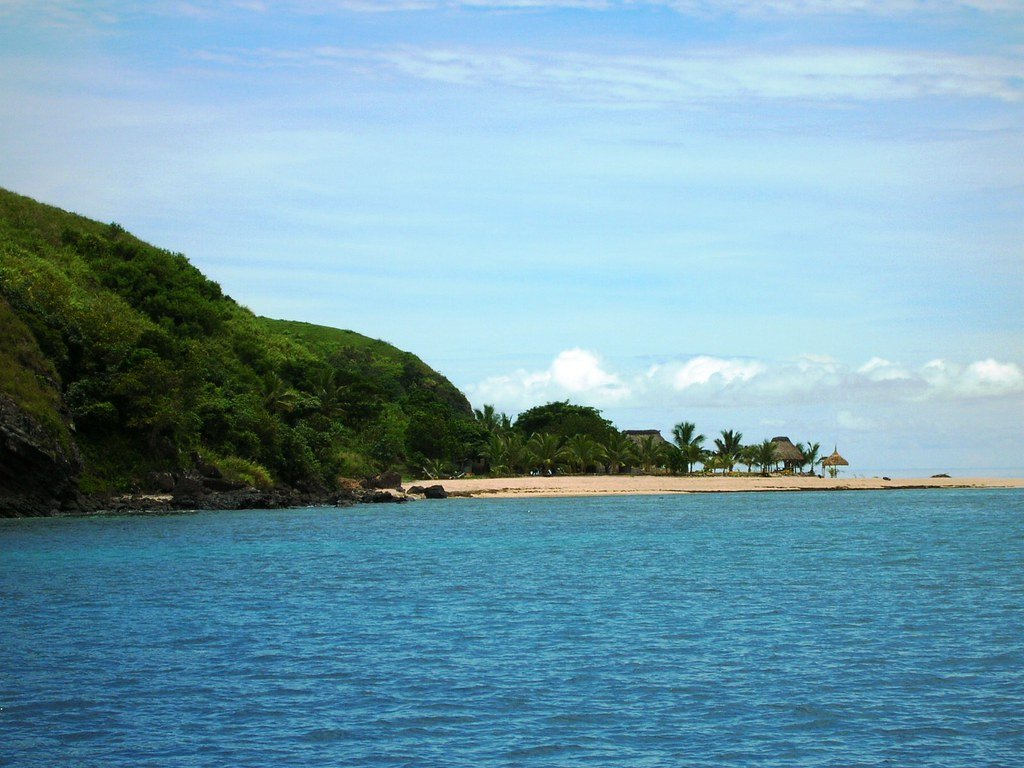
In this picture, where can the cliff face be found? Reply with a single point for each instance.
(38, 475)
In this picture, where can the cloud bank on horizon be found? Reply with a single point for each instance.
(704, 380)
(657, 207)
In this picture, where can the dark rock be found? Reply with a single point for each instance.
(384, 496)
(38, 474)
(384, 480)
(203, 467)
(162, 482)
(435, 492)
(188, 486)
(221, 485)
(417, 490)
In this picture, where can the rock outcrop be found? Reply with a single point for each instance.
(38, 474)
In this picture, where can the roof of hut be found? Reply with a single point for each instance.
(636, 435)
(785, 450)
(835, 460)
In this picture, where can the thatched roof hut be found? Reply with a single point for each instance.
(835, 460)
(786, 452)
(833, 463)
(636, 435)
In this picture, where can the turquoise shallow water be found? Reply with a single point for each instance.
(868, 629)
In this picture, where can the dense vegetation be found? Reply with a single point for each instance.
(153, 366)
(561, 437)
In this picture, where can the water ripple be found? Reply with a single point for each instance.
(866, 629)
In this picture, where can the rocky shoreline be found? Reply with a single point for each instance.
(193, 491)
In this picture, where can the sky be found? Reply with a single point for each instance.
(784, 217)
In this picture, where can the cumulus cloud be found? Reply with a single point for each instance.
(575, 374)
(983, 378)
(586, 378)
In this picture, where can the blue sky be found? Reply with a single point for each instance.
(788, 217)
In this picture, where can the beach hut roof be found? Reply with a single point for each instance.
(835, 460)
(785, 450)
(636, 435)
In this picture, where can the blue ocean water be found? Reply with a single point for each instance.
(779, 629)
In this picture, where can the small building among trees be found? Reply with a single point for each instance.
(787, 454)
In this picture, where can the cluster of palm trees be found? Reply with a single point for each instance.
(509, 452)
(729, 451)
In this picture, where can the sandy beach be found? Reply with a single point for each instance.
(609, 485)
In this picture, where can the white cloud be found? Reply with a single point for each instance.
(880, 369)
(722, 74)
(984, 378)
(575, 373)
(707, 380)
(713, 370)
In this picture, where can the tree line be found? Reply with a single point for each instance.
(561, 437)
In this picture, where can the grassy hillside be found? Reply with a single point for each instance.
(153, 363)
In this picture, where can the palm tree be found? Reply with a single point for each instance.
(765, 456)
(729, 442)
(727, 461)
(649, 453)
(505, 453)
(278, 397)
(545, 451)
(582, 452)
(491, 420)
(329, 393)
(618, 452)
(692, 454)
(748, 455)
(811, 453)
(684, 437)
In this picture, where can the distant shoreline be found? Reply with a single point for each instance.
(625, 485)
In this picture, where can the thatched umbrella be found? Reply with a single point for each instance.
(786, 452)
(834, 462)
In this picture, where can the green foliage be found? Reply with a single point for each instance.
(27, 377)
(619, 452)
(153, 362)
(565, 420)
(583, 453)
(764, 455)
(239, 470)
(545, 451)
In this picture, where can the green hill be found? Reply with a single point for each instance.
(126, 354)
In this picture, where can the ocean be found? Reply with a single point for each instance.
(772, 629)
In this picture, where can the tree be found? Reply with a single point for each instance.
(582, 452)
(545, 451)
(765, 455)
(565, 420)
(692, 454)
(726, 462)
(618, 452)
(278, 397)
(506, 453)
(491, 420)
(729, 442)
(684, 437)
(649, 453)
(811, 453)
(748, 455)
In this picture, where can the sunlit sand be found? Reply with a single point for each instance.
(610, 485)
